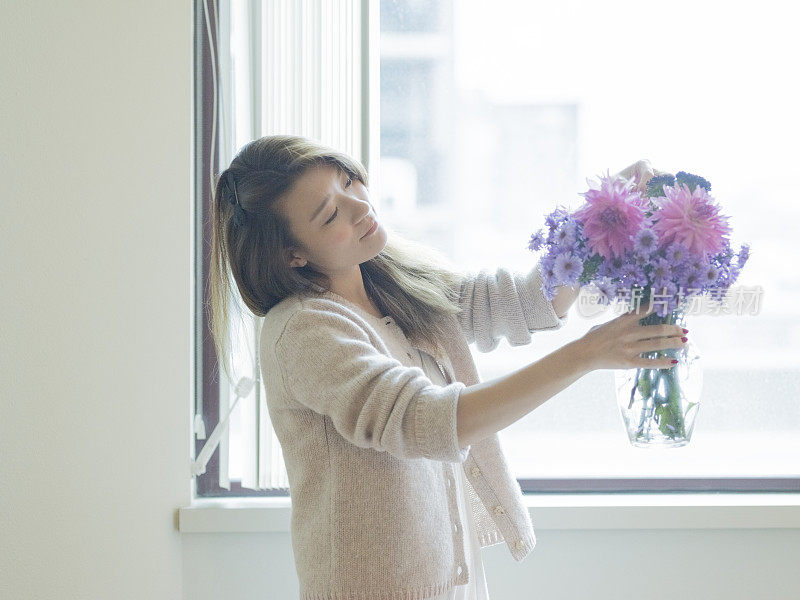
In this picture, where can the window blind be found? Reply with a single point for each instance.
(300, 67)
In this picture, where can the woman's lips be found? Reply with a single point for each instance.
(371, 230)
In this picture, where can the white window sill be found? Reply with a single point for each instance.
(548, 511)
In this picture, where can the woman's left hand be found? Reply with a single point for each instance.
(641, 171)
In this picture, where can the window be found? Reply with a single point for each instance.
(488, 119)
(498, 115)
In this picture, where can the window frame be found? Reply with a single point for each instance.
(207, 374)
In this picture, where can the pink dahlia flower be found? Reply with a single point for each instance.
(611, 216)
(690, 218)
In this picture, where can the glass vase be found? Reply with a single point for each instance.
(659, 407)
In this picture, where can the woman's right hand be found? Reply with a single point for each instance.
(619, 343)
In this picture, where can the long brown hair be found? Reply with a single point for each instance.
(414, 283)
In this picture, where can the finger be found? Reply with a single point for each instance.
(654, 363)
(631, 171)
(662, 343)
(641, 312)
(655, 330)
(646, 176)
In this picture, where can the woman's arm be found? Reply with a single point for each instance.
(504, 304)
(328, 364)
(488, 407)
(564, 298)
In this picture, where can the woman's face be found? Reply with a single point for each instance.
(329, 213)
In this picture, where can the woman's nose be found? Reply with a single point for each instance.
(362, 212)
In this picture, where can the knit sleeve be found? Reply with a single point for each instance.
(505, 304)
(329, 365)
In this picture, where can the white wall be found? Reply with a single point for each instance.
(729, 564)
(95, 107)
(95, 370)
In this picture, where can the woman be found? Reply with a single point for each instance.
(397, 477)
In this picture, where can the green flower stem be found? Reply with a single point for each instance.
(647, 402)
(674, 404)
(648, 382)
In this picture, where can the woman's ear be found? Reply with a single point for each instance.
(297, 261)
(293, 258)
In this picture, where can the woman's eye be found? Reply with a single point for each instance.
(333, 216)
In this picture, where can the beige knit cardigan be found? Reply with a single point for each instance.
(369, 442)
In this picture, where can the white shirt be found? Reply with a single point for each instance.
(476, 589)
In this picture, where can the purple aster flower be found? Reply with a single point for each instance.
(723, 274)
(681, 269)
(568, 268)
(582, 252)
(727, 251)
(552, 220)
(548, 272)
(633, 274)
(567, 234)
(676, 253)
(613, 268)
(604, 270)
(693, 279)
(744, 254)
(658, 284)
(720, 260)
(710, 275)
(645, 241)
(697, 263)
(661, 269)
(537, 241)
(606, 289)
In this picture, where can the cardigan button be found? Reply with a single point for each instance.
(476, 471)
(499, 510)
(520, 545)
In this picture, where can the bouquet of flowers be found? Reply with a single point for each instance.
(667, 244)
